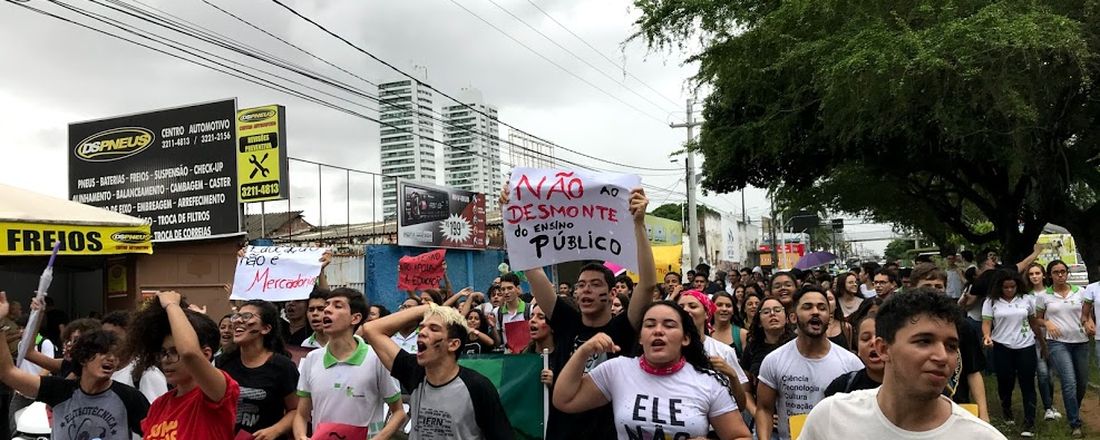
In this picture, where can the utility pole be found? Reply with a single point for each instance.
(693, 222)
(775, 242)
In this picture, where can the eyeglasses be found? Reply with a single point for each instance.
(595, 285)
(170, 356)
(1059, 272)
(246, 316)
(772, 311)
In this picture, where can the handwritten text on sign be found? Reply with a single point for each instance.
(276, 273)
(418, 272)
(554, 216)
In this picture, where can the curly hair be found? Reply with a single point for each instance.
(89, 345)
(82, 325)
(150, 326)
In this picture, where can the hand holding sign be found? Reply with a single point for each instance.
(276, 273)
(423, 271)
(552, 216)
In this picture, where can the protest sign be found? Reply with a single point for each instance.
(276, 273)
(424, 271)
(554, 216)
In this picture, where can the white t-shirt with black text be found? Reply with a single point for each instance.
(800, 382)
(648, 406)
(857, 416)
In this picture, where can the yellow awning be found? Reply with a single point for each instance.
(30, 224)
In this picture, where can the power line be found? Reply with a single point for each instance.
(598, 52)
(312, 75)
(219, 66)
(560, 46)
(554, 63)
(430, 87)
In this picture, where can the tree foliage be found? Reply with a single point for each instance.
(943, 115)
(675, 211)
(896, 249)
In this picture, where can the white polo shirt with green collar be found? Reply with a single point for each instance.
(350, 392)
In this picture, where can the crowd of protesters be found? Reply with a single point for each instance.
(874, 352)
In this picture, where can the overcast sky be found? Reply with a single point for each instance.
(56, 73)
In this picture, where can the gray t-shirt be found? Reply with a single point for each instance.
(110, 415)
(466, 408)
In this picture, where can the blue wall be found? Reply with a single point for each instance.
(466, 268)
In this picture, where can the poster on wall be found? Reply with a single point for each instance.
(438, 217)
(176, 168)
(554, 216)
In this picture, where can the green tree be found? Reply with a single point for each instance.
(675, 211)
(896, 249)
(945, 116)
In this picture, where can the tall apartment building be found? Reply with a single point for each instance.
(406, 107)
(524, 150)
(472, 158)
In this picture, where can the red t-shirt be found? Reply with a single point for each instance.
(192, 415)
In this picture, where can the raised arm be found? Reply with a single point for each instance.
(647, 270)
(1035, 251)
(210, 379)
(322, 279)
(575, 391)
(25, 383)
(377, 333)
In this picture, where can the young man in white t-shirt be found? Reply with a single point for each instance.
(793, 378)
(918, 341)
(344, 387)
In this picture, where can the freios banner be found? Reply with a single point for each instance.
(38, 239)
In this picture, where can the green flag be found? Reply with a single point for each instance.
(516, 377)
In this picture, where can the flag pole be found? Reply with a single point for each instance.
(545, 392)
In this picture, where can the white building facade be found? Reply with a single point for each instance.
(406, 111)
(472, 138)
(525, 150)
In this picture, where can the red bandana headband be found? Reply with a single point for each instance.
(708, 305)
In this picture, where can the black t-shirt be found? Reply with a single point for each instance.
(67, 368)
(755, 354)
(569, 334)
(472, 347)
(51, 328)
(110, 415)
(451, 410)
(851, 381)
(971, 360)
(263, 390)
(297, 338)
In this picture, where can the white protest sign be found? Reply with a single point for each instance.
(276, 273)
(554, 216)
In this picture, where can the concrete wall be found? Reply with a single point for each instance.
(466, 268)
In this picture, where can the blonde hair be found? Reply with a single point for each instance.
(449, 315)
